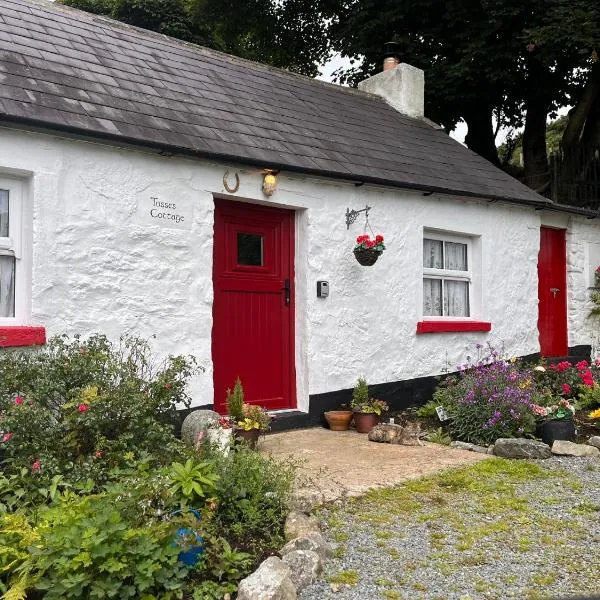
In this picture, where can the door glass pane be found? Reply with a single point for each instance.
(250, 249)
(7, 286)
(432, 297)
(456, 256)
(456, 298)
(432, 254)
(3, 213)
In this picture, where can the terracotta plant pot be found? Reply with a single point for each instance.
(556, 429)
(249, 437)
(364, 422)
(339, 420)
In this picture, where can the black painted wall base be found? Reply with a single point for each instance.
(398, 394)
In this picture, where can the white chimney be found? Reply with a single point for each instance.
(400, 85)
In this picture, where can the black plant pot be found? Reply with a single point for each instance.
(561, 429)
(366, 257)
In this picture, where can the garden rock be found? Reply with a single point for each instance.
(594, 441)
(311, 541)
(387, 433)
(198, 421)
(564, 448)
(305, 567)
(469, 446)
(307, 499)
(271, 581)
(521, 448)
(298, 524)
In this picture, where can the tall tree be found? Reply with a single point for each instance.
(288, 34)
(512, 61)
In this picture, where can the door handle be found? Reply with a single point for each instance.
(554, 291)
(287, 292)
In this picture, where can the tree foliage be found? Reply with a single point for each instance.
(512, 61)
(286, 34)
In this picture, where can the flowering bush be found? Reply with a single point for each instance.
(364, 242)
(489, 399)
(254, 417)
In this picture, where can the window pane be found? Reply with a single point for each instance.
(3, 213)
(432, 254)
(250, 249)
(7, 286)
(456, 256)
(432, 297)
(456, 298)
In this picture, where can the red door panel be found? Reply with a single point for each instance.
(253, 310)
(552, 292)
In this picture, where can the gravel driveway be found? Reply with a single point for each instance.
(496, 529)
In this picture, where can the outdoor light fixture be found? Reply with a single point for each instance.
(269, 182)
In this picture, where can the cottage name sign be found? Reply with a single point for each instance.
(156, 209)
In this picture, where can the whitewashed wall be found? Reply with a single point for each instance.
(98, 267)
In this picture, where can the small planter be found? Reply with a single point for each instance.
(364, 422)
(339, 420)
(367, 257)
(556, 429)
(187, 536)
(249, 437)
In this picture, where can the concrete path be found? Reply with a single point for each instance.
(346, 463)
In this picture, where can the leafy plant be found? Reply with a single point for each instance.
(254, 417)
(557, 412)
(86, 548)
(252, 494)
(192, 481)
(360, 393)
(439, 436)
(235, 401)
(589, 397)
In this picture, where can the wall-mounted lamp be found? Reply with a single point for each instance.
(269, 182)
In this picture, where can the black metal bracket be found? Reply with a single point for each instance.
(352, 215)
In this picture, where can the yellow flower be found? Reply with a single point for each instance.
(595, 414)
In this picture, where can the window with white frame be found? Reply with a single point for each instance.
(11, 271)
(447, 275)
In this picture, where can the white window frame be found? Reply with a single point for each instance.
(14, 245)
(449, 274)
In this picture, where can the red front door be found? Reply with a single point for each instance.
(552, 292)
(253, 311)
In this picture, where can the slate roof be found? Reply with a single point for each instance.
(65, 69)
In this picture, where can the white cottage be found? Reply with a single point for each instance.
(150, 186)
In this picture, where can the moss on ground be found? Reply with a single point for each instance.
(473, 517)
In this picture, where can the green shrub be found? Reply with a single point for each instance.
(252, 494)
(360, 393)
(235, 401)
(88, 548)
(589, 397)
(79, 408)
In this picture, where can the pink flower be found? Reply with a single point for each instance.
(19, 400)
(98, 454)
(582, 365)
(563, 366)
(539, 410)
(83, 407)
(36, 466)
(566, 388)
(6, 437)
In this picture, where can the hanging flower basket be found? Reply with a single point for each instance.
(367, 251)
(367, 257)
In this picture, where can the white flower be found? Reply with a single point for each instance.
(540, 369)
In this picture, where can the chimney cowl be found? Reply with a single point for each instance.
(392, 53)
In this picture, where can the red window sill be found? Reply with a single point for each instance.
(452, 326)
(13, 336)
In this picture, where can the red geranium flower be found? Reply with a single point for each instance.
(566, 388)
(19, 400)
(83, 407)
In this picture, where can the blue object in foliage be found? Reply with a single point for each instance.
(191, 556)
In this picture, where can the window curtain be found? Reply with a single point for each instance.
(456, 299)
(456, 256)
(4, 213)
(432, 297)
(432, 254)
(7, 286)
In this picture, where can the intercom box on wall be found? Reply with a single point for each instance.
(322, 289)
